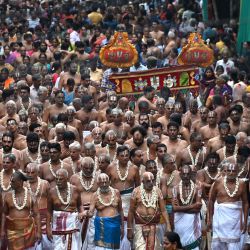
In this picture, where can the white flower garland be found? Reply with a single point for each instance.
(211, 177)
(24, 199)
(72, 164)
(194, 161)
(119, 173)
(114, 157)
(68, 195)
(234, 153)
(237, 184)
(242, 170)
(51, 169)
(31, 159)
(87, 188)
(1, 181)
(22, 106)
(102, 201)
(186, 202)
(149, 200)
(39, 181)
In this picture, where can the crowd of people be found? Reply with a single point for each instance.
(82, 168)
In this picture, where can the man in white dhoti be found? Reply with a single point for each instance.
(65, 210)
(187, 204)
(228, 210)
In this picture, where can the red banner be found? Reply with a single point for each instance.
(177, 78)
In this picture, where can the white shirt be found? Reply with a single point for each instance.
(227, 66)
(134, 69)
(33, 94)
(74, 37)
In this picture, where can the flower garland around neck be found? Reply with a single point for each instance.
(51, 169)
(194, 161)
(114, 157)
(119, 173)
(188, 199)
(39, 182)
(24, 199)
(68, 195)
(22, 106)
(211, 177)
(106, 204)
(237, 184)
(149, 200)
(234, 153)
(72, 164)
(1, 181)
(87, 188)
(37, 160)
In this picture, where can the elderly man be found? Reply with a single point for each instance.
(85, 182)
(20, 216)
(74, 160)
(121, 128)
(146, 206)
(64, 212)
(228, 210)
(186, 204)
(11, 111)
(39, 189)
(109, 220)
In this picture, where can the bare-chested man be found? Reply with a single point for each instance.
(148, 95)
(118, 126)
(164, 120)
(173, 143)
(7, 148)
(74, 160)
(186, 203)
(55, 109)
(246, 107)
(11, 111)
(9, 165)
(157, 129)
(160, 105)
(192, 115)
(202, 121)
(109, 219)
(124, 176)
(111, 144)
(156, 33)
(31, 153)
(20, 216)
(169, 178)
(235, 120)
(86, 183)
(161, 150)
(218, 141)
(229, 149)
(71, 74)
(19, 140)
(228, 210)
(48, 169)
(211, 129)
(39, 189)
(138, 140)
(87, 113)
(146, 207)
(193, 155)
(64, 212)
(152, 142)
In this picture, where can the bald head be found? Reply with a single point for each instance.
(62, 172)
(147, 176)
(102, 178)
(32, 167)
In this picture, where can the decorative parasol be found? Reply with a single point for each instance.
(119, 53)
(196, 52)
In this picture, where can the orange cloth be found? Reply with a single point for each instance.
(8, 82)
(20, 233)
